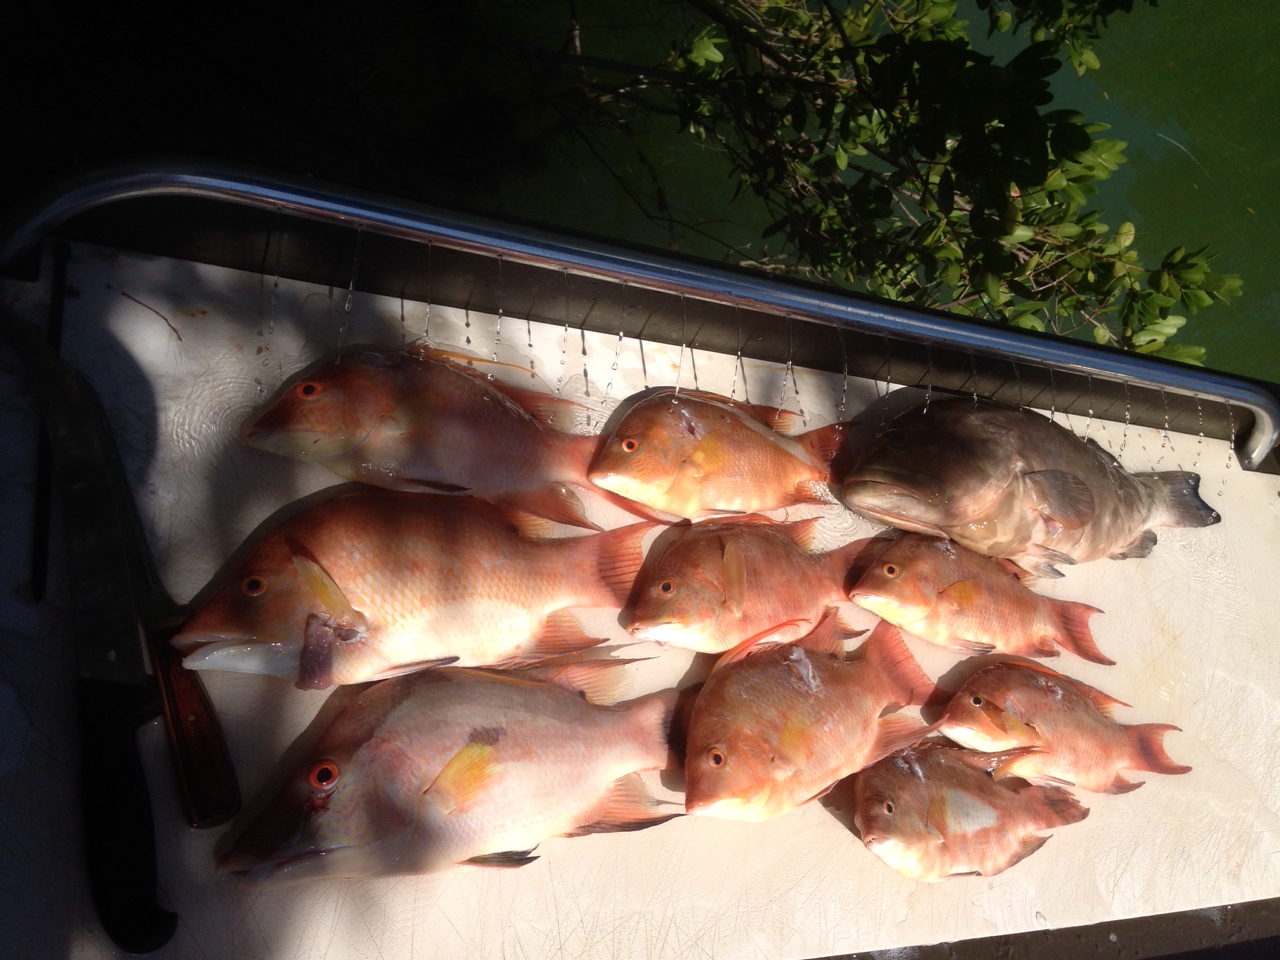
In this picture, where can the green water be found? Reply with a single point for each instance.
(1193, 86)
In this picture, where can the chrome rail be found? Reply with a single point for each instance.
(416, 222)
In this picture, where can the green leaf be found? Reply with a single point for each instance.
(1101, 335)
(1124, 236)
(1183, 353)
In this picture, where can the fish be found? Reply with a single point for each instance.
(420, 419)
(1011, 483)
(1067, 725)
(372, 583)
(694, 455)
(939, 591)
(452, 766)
(930, 812)
(719, 583)
(777, 726)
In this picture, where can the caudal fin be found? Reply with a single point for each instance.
(887, 651)
(1146, 743)
(616, 557)
(1073, 630)
(1184, 508)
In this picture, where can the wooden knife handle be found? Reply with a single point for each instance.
(206, 778)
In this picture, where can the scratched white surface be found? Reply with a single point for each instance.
(182, 353)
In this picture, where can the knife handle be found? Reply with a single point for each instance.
(207, 782)
(119, 835)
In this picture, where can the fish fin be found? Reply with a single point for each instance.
(1039, 561)
(507, 858)
(974, 648)
(1062, 496)
(813, 491)
(824, 443)
(1141, 546)
(897, 732)
(531, 525)
(735, 576)
(1015, 571)
(598, 681)
(1073, 630)
(747, 646)
(315, 666)
(400, 669)
(1184, 508)
(330, 595)
(888, 652)
(626, 805)
(561, 633)
(1122, 785)
(828, 636)
(556, 502)
(1146, 743)
(466, 774)
(775, 418)
(1104, 703)
(804, 532)
(559, 413)
(1029, 845)
(619, 554)
(1056, 805)
(997, 765)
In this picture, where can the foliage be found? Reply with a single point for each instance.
(897, 159)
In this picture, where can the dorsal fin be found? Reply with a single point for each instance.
(1104, 703)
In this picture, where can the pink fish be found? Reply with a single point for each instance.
(451, 766)
(422, 419)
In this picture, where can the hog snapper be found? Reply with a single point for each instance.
(776, 727)
(942, 592)
(931, 812)
(374, 583)
(1069, 724)
(451, 766)
(423, 419)
(719, 583)
(1012, 483)
(694, 455)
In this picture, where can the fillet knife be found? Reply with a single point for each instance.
(119, 606)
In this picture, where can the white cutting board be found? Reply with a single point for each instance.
(183, 353)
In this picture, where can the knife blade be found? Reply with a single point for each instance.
(116, 594)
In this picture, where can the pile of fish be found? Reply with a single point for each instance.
(438, 577)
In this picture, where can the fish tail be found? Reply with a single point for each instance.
(1146, 742)
(824, 443)
(1183, 506)
(888, 652)
(655, 718)
(1073, 630)
(616, 557)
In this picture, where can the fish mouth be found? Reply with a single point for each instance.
(904, 501)
(729, 808)
(240, 655)
(337, 862)
(300, 444)
(984, 735)
(667, 632)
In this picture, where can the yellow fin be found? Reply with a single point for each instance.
(464, 777)
(328, 593)
(735, 577)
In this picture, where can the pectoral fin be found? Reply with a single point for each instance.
(1062, 496)
(466, 775)
(735, 576)
(330, 595)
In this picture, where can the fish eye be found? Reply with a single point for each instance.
(888, 807)
(630, 444)
(307, 390)
(323, 775)
(976, 700)
(253, 585)
(891, 570)
(716, 757)
(666, 586)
